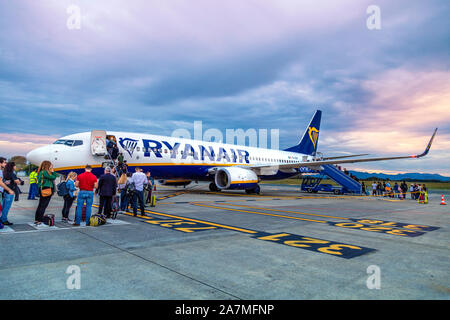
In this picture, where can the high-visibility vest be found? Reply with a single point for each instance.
(33, 177)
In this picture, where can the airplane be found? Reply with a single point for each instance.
(225, 166)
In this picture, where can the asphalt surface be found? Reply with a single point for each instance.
(195, 244)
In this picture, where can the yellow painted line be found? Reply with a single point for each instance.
(288, 211)
(194, 220)
(247, 181)
(248, 195)
(261, 213)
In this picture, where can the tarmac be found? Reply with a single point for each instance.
(197, 244)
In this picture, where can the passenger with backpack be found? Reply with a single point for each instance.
(69, 196)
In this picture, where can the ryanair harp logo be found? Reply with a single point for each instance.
(313, 135)
(128, 144)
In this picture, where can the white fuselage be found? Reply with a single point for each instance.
(166, 157)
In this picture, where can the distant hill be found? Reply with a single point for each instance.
(402, 176)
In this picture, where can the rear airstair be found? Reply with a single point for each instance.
(349, 184)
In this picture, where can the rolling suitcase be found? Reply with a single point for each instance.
(49, 219)
(83, 212)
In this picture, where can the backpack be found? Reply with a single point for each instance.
(49, 219)
(97, 220)
(131, 188)
(62, 189)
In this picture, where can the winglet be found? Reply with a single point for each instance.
(428, 146)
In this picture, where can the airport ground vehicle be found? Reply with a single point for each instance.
(313, 185)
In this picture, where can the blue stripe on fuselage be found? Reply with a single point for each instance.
(191, 172)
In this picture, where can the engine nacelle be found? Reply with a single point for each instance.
(236, 178)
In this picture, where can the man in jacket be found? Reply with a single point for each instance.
(32, 193)
(107, 188)
(4, 188)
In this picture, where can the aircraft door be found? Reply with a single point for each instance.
(98, 142)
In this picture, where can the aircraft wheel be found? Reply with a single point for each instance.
(213, 187)
(256, 190)
(310, 190)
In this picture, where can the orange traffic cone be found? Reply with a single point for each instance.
(443, 200)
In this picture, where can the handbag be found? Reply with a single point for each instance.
(45, 192)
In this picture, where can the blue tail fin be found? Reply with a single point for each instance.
(308, 143)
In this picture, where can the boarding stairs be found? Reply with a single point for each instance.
(111, 162)
(349, 184)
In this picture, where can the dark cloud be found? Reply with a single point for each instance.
(127, 72)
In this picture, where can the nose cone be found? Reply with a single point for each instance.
(38, 155)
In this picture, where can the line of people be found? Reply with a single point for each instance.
(386, 189)
(133, 188)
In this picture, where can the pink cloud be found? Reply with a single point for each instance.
(405, 99)
(13, 144)
(405, 108)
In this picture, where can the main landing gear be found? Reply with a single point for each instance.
(256, 190)
(213, 187)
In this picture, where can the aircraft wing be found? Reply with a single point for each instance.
(316, 164)
(349, 156)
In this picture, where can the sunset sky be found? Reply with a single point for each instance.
(156, 66)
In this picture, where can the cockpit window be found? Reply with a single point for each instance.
(69, 143)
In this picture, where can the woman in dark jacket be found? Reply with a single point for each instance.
(11, 180)
(45, 180)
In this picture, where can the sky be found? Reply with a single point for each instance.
(155, 66)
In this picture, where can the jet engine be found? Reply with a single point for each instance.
(236, 178)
